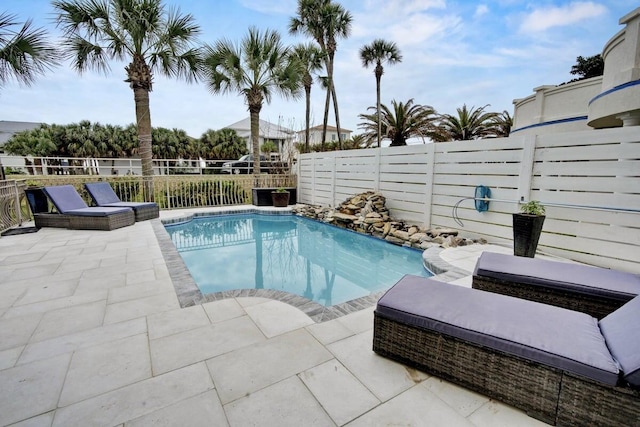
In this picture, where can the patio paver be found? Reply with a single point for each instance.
(91, 333)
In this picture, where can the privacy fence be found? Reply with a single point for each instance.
(589, 182)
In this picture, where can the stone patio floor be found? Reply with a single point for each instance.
(92, 334)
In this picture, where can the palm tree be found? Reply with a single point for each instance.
(24, 53)
(324, 21)
(502, 124)
(469, 124)
(230, 145)
(257, 67)
(310, 59)
(142, 31)
(404, 121)
(376, 53)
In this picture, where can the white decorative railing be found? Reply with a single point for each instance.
(13, 210)
(170, 191)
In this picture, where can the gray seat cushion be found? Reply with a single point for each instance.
(132, 205)
(579, 278)
(553, 336)
(98, 211)
(621, 331)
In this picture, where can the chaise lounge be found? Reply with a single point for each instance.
(592, 290)
(103, 195)
(73, 212)
(560, 366)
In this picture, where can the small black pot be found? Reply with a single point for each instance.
(280, 199)
(526, 233)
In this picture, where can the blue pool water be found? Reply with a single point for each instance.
(320, 262)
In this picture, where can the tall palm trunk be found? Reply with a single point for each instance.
(332, 50)
(326, 112)
(143, 120)
(254, 115)
(379, 71)
(307, 91)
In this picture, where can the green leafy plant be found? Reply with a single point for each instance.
(532, 207)
(282, 190)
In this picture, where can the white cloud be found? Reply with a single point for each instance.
(548, 17)
(403, 7)
(271, 7)
(418, 28)
(481, 10)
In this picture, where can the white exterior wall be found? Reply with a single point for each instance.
(315, 136)
(422, 183)
(555, 109)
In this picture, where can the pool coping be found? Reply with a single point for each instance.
(189, 294)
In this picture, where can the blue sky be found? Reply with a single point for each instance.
(454, 52)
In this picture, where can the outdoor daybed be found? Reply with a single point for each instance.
(592, 290)
(73, 212)
(103, 195)
(560, 366)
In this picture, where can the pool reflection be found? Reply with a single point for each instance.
(320, 262)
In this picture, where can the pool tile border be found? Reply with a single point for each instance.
(189, 294)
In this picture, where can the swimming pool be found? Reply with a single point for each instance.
(323, 263)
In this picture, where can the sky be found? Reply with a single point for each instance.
(453, 53)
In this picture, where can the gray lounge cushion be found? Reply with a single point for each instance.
(101, 193)
(68, 202)
(583, 279)
(546, 334)
(621, 330)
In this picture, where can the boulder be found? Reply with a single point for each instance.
(366, 213)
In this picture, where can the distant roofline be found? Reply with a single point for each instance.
(329, 127)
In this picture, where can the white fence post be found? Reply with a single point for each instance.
(313, 178)
(377, 170)
(526, 167)
(428, 192)
(333, 178)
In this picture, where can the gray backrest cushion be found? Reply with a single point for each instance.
(621, 330)
(559, 275)
(554, 336)
(65, 198)
(101, 193)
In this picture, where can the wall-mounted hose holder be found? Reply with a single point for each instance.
(482, 195)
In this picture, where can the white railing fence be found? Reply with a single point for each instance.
(170, 191)
(589, 182)
(13, 209)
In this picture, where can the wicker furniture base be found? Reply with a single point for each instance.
(78, 222)
(543, 392)
(51, 220)
(146, 212)
(596, 306)
(586, 403)
(530, 386)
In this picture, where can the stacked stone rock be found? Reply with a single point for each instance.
(367, 213)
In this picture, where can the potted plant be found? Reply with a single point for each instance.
(280, 198)
(527, 227)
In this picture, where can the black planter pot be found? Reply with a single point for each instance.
(526, 233)
(280, 199)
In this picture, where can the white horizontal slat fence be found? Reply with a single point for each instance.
(589, 182)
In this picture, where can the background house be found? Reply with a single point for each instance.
(9, 128)
(315, 134)
(282, 137)
(607, 101)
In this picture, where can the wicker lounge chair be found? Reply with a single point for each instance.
(73, 212)
(592, 290)
(560, 366)
(103, 195)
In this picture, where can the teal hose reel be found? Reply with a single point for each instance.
(481, 197)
